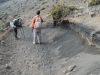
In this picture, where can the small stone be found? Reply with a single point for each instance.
(91, 14)
(76, 11)
(19, 72)
(79, 14)
(71, 68)
(64, 71)
(2, 42)
(7, 66)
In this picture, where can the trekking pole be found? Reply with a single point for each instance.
(23, 32)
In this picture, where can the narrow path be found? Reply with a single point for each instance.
(59, 45)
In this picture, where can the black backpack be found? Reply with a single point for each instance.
(16, 22)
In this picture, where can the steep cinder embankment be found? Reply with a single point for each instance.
(88, 27)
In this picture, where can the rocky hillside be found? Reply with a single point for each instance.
(64, 50)
(27, 8)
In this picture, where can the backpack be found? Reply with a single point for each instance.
(38, 23)
(12, 24)
(16, 22)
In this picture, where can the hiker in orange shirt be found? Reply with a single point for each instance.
(36, 25)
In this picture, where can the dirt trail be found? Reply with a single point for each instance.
(61, 48)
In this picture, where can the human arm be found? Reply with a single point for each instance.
(42, 20)
(32, 23)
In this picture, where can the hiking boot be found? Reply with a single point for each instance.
(39, 42)
(17, 38)
(34, 43)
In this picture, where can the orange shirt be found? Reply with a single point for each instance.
(34, 19)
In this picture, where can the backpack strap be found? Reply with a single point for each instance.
(38, 17)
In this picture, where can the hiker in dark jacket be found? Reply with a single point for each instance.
(16, 23)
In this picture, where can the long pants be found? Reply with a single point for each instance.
(55, 23)
(15, 32)
(37, 35)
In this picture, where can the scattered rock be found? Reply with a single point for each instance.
(76, 11)
(30, 64)
(7, 66)
(64, 71)
(92, 14)
(19, 72)
(79, 14)
(70, 69)
(2, 42)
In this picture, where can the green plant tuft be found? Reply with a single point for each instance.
(60, 10)
(15, 15)
(3, 16)
(84, 1)
(94, 2)
(31, 8)
(2, 24)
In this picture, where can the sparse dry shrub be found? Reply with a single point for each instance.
(84, 1)
(42, 9)
(15, 15)
(3, 16)
(43, 3)
(94, 2)
(60, 10)
(2, 24)
(31, 8)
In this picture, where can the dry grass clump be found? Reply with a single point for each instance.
(2, 24)
(31, 8)
(60, 10)
(42, 9)
(3, 16)
(15, 15)
(94, 2)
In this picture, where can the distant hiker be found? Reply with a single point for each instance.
(54, 21)
(36, 25)
(15, 24)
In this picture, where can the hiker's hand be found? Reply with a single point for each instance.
(44, 21)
